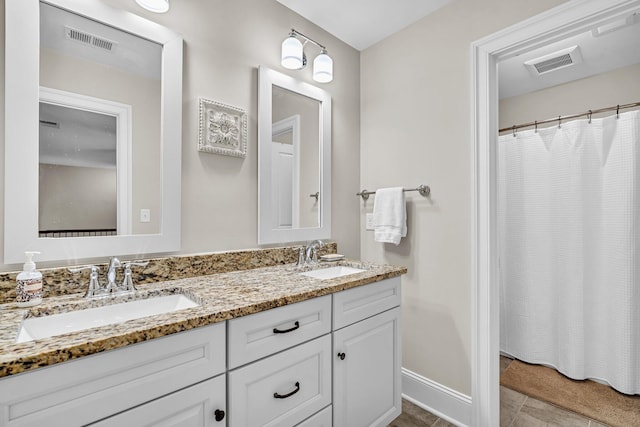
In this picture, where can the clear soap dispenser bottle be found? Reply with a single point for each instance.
(29, 283)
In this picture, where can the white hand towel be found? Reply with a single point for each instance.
(389, 215)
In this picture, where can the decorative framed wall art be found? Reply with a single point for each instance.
(223, 129)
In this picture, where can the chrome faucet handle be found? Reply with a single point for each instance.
(94, 284)
(301, 259)
(127, 282)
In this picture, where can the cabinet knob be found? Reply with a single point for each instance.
(342, 356)
(218, 414)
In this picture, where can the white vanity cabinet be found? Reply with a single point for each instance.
(327, 361)
(91, 388)
(367, 355)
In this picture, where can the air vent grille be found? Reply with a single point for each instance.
(89, 39)
(553, 63)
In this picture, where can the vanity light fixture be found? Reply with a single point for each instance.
(157, 6)
(294, 58)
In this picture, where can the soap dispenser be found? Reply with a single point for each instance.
(29, 283)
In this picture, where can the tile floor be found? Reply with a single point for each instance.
(516, 410)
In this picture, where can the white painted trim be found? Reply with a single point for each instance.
(124, 134)
(556, 24)
(436, 398)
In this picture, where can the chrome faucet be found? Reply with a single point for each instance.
(311, 251)
(111, 287)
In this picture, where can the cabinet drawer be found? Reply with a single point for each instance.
(201, 405)
(284, 389)
(355, 304)
(321, 419)
(262, 334)
(93, 387)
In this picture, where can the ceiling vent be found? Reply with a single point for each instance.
(555, 61)
(89, 39)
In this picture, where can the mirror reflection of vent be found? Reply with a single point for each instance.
(89, 39)
(555, 61)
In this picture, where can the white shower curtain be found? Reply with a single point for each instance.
(569, 248)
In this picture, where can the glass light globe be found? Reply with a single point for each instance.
(157, 6)
(323, 68)
(292, 53)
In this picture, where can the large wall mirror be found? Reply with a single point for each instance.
(294, 165)
(93, 132)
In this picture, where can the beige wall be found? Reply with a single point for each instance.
(415, 129)
(621, 86)
(76, 198)
(224, 43)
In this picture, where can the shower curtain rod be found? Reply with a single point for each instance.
(559, 119)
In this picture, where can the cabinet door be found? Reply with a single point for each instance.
(366, 372)
(201, 405)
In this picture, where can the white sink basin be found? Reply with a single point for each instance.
(332, 272)
(57, 324)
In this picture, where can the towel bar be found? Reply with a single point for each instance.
(424, 191)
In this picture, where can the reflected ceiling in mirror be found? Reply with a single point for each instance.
(294, 145)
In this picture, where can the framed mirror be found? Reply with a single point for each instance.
(294, 159)
(93, 132)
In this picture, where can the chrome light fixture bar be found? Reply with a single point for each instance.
(294, 58)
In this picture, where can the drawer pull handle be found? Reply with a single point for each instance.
(342, 356)
(284, 396)
(278, 331)
(218, 414)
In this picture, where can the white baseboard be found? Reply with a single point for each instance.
(440, 400)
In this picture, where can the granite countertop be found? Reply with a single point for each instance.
(221, 297)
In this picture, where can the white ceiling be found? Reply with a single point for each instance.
(617, 48)
(362, 23)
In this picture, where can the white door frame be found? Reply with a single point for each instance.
(568, 19)
(124, 146)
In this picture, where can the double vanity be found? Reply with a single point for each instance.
(242, 338)
(281, 346)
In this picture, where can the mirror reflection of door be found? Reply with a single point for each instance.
(78, 179)
(85, 58)
(296, 160)
(285, 161)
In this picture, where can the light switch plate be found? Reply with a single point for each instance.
(145, 215)
(369, 221)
